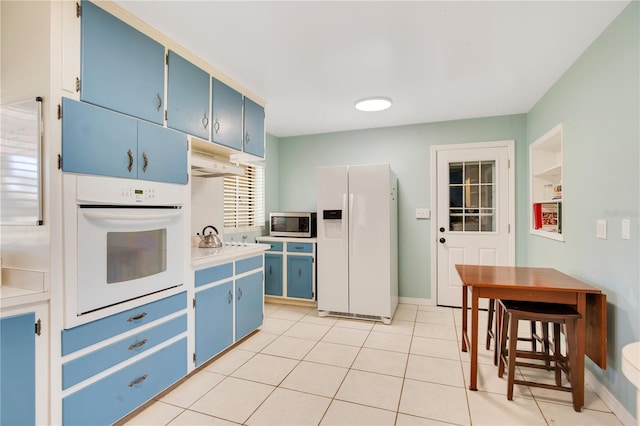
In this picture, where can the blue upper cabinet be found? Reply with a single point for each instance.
(188, 91)
(121, 68)
(253, 128)
(226, 111)
(98, 141)
(162, 154)
(101, 142)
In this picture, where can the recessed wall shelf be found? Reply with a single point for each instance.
(546, 192)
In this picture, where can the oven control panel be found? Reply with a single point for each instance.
(115, 191)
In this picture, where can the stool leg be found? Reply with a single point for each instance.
(497, 332)
(513, 342)
(533, 333)
(490, 323)
(503, 340)
(556, 353)
(572, 344)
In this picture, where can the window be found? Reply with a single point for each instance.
(244, 200)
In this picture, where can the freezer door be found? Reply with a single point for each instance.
(370, 237)
(332, 239)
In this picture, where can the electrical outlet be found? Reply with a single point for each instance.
(601, 229)
(423, 213)
(626, 229)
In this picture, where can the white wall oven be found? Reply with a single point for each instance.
(124, 244)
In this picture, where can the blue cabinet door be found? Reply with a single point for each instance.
(226, 112)
(188, 91)
(18, 370)
(273, 274)
(214, 321)
(162, 154)
(98, 141)
(253, 142)
(249, 304)
(121, 68)
(299, 276)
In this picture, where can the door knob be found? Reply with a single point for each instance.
(442, 240)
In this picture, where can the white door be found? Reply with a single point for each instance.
(332, 281)
(474, 213)
(369, 240)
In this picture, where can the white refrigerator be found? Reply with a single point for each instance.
(357, 241)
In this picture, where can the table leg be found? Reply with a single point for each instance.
(581, 338)
(473, 381)
(464, 318)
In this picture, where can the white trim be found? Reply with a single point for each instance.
(510, 145)
(607, 397)
(416, 301)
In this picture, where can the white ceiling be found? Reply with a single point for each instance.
(311, 60)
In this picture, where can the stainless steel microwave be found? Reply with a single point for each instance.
(301, 225)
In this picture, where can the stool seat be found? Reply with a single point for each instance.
(547, 313)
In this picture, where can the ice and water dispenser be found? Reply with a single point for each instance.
(333, 226)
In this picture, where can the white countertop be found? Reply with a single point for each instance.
(22, 286)
(204, 256)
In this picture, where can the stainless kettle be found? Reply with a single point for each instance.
(209, 240)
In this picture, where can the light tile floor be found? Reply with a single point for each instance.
(300, 369)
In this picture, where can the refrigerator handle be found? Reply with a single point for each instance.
(351, 207)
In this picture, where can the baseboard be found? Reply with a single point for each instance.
(416, 301)
(607, 397)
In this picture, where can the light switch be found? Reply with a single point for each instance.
(423, 213)
(601, 228)
(626, 229)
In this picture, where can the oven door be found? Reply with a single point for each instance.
(126, 253)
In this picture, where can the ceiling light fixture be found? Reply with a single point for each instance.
(373, 104)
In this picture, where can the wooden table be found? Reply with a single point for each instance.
(541, 285)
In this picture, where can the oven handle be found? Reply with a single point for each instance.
(112, 216)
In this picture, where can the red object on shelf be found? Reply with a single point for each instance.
(537, 216)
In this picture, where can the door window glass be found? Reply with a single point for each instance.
(472, 201)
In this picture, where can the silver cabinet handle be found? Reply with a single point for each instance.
(229, 297)
(137, 317)
(216, 126)
(159, 102)
(130, 154)
(239, 293)
(270, 270)
(137, 345)
(299, 272)
(145, 162)
(247, 138)
(205, 121)
(138, 381)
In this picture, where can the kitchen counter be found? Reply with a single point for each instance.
(21, 286)
(205, 256)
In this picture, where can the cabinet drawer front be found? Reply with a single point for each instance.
(300, 247)
(111, 398)
(245, 265)
(98, 330)
(275, 246)
(86, 366)
(215, 273)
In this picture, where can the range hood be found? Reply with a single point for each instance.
(209, 167)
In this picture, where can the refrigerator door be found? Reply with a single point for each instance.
(332, 239)
(370, 201)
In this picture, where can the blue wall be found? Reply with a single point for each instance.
(597, 99)
(407, 149)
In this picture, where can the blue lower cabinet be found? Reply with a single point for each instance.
(214, 321)
(249, 304)
(116, 395)
(18, 370)
(300, 277)
(273, 274)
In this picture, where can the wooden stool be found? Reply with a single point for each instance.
(493, 333)
(558, 314)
